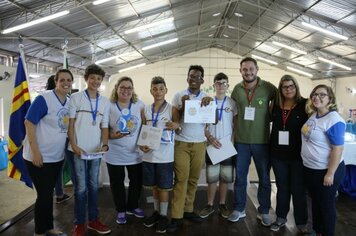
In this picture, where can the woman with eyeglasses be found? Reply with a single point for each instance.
(288, 117)
(124, 124)
(324, 168)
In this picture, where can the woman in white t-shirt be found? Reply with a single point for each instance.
(46, 128)
(324, 168)
(124, 123)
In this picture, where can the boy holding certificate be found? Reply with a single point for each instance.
(88, 133)
(158, 164)
(224, 170)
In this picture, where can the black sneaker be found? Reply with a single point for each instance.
(64, 198)
(152, 220)
(162, 225)
(191, 216)
(224, 212)
(175, 225)
(206, 211)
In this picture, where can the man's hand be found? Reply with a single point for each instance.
(145, 149)
(206, 101)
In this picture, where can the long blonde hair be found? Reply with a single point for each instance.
(114, 98)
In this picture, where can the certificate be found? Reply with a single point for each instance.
(150, 136)
(226, 150)
(195, 113)
(92, 156)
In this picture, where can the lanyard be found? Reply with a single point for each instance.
(250, 97)
(190, 93)
(220, 111)
(126, 113)
(154, 120)
(93, 112)
(285, 115)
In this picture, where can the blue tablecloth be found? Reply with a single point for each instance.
(348, 186)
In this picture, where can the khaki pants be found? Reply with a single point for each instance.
(188, 162)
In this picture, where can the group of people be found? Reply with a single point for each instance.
(304, 147)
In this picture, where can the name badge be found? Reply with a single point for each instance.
(283, 137)
(249, 113)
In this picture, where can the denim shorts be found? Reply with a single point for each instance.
(158, 175)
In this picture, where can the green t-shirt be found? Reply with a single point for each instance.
(254, 131)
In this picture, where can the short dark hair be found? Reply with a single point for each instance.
(93, 69)
(158, 80)
(248, 59)
(221, 76)
(197, 67)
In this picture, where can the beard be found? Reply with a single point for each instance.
(249, 81)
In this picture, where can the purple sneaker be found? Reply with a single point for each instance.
(139, 213)
(121, 218)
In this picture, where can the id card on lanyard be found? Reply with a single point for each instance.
(250, 111)
(283, 135)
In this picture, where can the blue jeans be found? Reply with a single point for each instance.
(158, 174)
(260, 154)
(290, 183)
(86, 189)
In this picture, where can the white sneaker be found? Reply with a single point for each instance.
(236, 215)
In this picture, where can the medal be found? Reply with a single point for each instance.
(93, 123)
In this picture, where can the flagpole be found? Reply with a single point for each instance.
(65, 60)
(22, 55)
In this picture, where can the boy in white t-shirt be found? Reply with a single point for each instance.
(158, 164)
(88, 133)
(222, 172)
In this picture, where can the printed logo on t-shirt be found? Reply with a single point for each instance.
(63, 119)
(307, 129)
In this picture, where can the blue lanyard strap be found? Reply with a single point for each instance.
(155, 119)
(220, 111)
(190, 93)
(93, 112)
(118, 107)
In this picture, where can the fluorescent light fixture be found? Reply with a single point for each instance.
(213, 26)
(210, 35)
(143, 27)
(35, 76)
(98, 2)
(238, 14)
(217, 14)
(231, 27)
(299, 71)
(132, 67)
(264, 59)
(160, 44)
(34, 22)
(111, 58)
(289, 47)
(226, 36)
(334, 63)
(336, 35)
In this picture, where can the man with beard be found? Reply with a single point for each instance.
(253, 97)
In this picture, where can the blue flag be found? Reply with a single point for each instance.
(20, 103)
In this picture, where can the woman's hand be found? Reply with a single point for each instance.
(145, 149)
(117, 135)
(172, 125)
(37, 159)
(328, 179)
(215, 142)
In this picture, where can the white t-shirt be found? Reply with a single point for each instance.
(87, 135)
(123, 151)
(191, 133)
(225, 126)
(318, 134)
(165, 153)
(51, 119)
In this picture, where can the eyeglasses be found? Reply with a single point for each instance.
(320, 95)
(122, 88)
(291, 87)
(221, 84)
